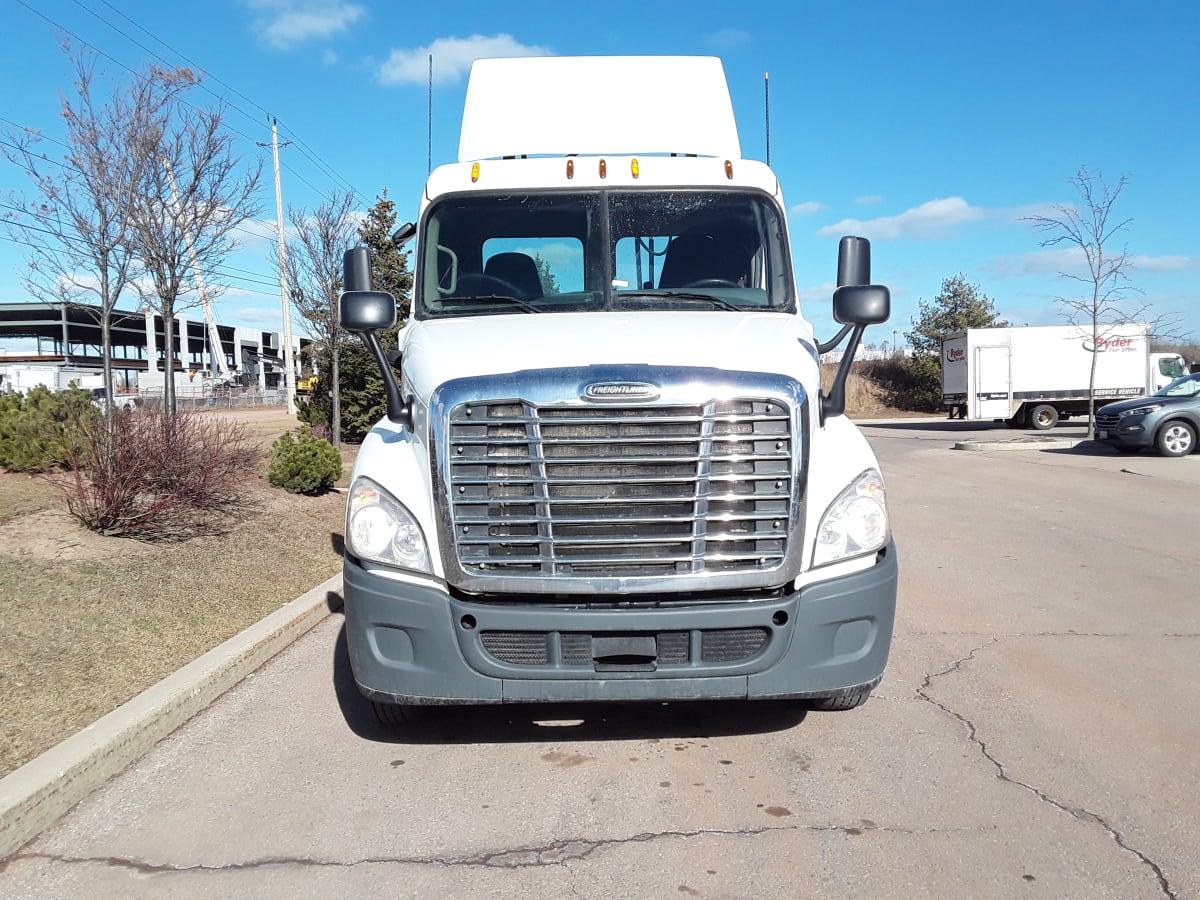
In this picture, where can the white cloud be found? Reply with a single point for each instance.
(286, 23)
(728, 38)
(452, 58)
(1038, 262)
(329, 58)
(868, 200)
(807, 208)
(933, 219)
(1072, 261)
(1165, 263)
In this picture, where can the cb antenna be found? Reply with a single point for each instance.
(429, 126)
(767, 107)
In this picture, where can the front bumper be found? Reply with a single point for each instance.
(413, 643)
(1134, 431)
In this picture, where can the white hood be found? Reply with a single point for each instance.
(437, 351)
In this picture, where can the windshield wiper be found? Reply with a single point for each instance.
(683, 295)
(520, 304)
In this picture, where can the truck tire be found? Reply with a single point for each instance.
(396, 713)
(1176, 438)
(849, 700)
(1043, 417)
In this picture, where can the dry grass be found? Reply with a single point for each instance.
(91, 621)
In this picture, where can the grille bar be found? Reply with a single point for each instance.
(637, 490)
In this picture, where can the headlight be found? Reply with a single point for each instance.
(1142, 410)
(380, 529)
(855, 523)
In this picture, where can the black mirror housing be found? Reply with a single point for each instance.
(365, 311)
(862, 304)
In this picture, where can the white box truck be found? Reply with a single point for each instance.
(1033, 376)
(607, 469)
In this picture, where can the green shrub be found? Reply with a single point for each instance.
(42, 430)
(304, 464)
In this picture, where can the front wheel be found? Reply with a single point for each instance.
(396, 713)
(1176, 439)
(1043, 417)
(849, 700)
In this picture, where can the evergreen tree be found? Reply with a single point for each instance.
(959, 306)
(917, 384)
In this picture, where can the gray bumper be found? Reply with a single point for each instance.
(416, 644)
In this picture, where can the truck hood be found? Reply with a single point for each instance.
(437, 351)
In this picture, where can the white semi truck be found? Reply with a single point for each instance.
(1032, 377)
(607, 469)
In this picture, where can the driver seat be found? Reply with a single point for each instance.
(518, 270)
(698, 257)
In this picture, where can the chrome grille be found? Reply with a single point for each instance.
(620, 490)
(1107, 422)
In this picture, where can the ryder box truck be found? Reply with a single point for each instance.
(607, 469)
(1031, 377)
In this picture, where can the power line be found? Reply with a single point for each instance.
(308, 152)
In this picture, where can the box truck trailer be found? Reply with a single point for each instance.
(622, 482)
(1032, 377)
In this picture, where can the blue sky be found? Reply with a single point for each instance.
(930, 127)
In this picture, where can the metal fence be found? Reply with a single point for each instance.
(235, 398)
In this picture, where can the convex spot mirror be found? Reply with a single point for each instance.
(862, 304)
(365, 311)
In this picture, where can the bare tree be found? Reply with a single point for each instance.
(1092, 229)
(189, 201)
(82, 249)
(314, 262)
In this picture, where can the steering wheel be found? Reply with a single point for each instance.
(486, 286)
(712, 283)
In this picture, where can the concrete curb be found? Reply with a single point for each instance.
(1047, 443)
(34, 796)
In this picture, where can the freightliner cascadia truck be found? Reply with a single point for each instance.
(608, 471)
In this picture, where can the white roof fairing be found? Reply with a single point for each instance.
(587, 105)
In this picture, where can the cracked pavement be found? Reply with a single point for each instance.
(1034, 736)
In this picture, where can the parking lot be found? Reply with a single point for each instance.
(1034, 736)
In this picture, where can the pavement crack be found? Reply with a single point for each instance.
(1083, 815)
(555, 853)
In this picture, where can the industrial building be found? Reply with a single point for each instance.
(69, 336)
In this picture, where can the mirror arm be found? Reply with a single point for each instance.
(834, 403)
(826, 346)
(399, 410)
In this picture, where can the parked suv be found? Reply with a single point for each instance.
(1168, 419)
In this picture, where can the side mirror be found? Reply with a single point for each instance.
(366, 311)
(862, 304)
(856, 304)
(403, 234)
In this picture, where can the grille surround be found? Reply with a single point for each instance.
(546, 491)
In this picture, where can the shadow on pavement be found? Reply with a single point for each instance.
(538, 722)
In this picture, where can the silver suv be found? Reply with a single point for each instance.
(1168, 419)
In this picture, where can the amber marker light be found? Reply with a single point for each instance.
(729, 170)
(475, 172)
(603, 169)
(570, 168)
(633, 168)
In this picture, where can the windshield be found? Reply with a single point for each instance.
(1187, 386)
(486, 254)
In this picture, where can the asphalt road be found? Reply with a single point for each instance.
(1035, 736)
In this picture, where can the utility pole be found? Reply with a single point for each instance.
(289, 369)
